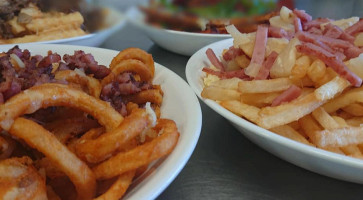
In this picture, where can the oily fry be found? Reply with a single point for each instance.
(243, 110)
(220, 94)
(352, 96)
(264, 86)
(74, 19)
(130, 65)
(57, 95)
(20, 179)
(339, 137)
(119, 187)
(152, 95)
(42, 140)
(354, 109)
(102, 147)
(93, 85)
(141, 155)
(289, 132)
(134, 53)
(283, 114)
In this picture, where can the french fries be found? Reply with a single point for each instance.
(39, 26)
(328, 113)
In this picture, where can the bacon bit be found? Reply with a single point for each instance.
(288, 95)
(315, 23)
(297, 24)
(232, 53)
(226, 75)
(214, 60)
(330, 60)
(266, 66)
(277, 32)
(258, 54)
(302, 15)
(355, 28)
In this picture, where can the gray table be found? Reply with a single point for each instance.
(225, 164)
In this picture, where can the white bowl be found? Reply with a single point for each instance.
(115, 20)
(180, 42)
(311, 158)
(179, 104)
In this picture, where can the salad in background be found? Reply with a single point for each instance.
(211, 16)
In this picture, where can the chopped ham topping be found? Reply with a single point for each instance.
(226, 75)
(214, 60)
(258, 54)
(331, 45)
(232, 53)
(297, 24)
(332, 31)
(315, 23)
(288, 95)
(277, 32)
(314, 30)
(330, 60)
(265, 69)
(302, 15)
(355, 28)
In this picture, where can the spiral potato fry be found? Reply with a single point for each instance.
(51, 94)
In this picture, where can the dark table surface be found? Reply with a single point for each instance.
(225, 164)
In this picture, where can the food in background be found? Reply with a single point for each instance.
(299, 77)
(211, 16)
(24, 21)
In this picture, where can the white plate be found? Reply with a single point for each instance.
(310, 158)
(114, 20)
(180, 104)
(180, 42)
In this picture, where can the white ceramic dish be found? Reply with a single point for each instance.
(310, 158)
(115, 20)
(184, 43)
(180, 104)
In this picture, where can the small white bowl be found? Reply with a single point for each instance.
(115, 20)
(308, 157)
(179, 104)
(180, 42)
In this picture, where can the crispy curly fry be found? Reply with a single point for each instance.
(101, 148)
(7, 146)
(20, 180)
(92, 84)
(134, 53)
(52, 94)
(141, 155)
(130, 65)
(119, 187)
(153, 96)
(44, 141)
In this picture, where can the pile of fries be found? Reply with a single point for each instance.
(303, 84)
(32, 25)
(61, 141)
